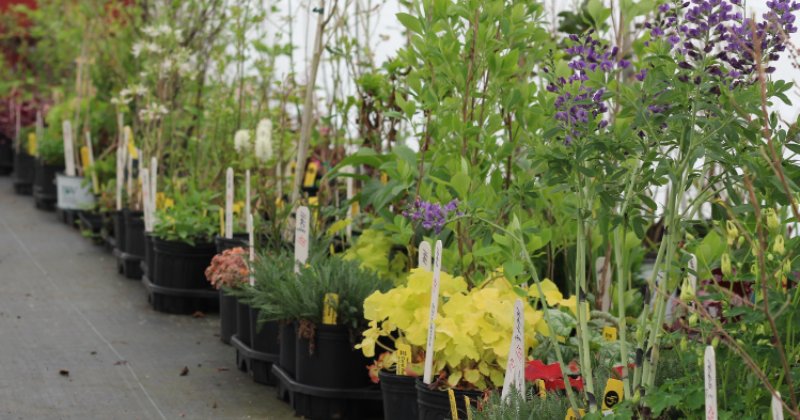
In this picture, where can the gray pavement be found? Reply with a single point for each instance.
(79, 341)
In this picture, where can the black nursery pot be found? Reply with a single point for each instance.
(24, 172)
(178, 282)
(6, 155)
(238, 240)
(435, 404)
(227, 316)
(334, 362)
(45, 192)
(243, 323)
(264, 339)
(399, 396)
(118, 218)
(287, 342)
(149, 255)
(134, 232)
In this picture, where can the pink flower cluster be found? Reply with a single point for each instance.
(228, 268)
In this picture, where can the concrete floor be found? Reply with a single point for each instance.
(79, 341)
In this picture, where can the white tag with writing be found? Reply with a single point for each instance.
(69, 149)
(434, 309)
(424, 257)
(777, 407)
(301, 230)
(710, 362)
(229, 203)
(515, 368)
(251, 238)
(247, 192)
(144, 174)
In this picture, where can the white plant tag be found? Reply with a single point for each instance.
(251, 243)
(153, 189)
(69, 149)
(350, 193)
(39, 127)
(247, 192)
(120, 173)
(229, 203)
(301, 230)
(710, 363)
(144, 174)
(515, 368)
(424, 259)
(777, 407)
(434, 309)
(692, 274)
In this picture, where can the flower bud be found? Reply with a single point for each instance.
(754, 269)
(740, 242)
(778, 245)
(787, 267)
(773, 223)
(689, 236)
(693, 318)
(684, 344)
(687, 291)
(770, 257)
(732, 232)
(726, 264)
(715, 342)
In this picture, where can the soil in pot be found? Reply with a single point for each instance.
(434, 404)
(178, 284)
(399, 396)
(223, 243)
(227, 316)
(287, 342)
(326, 358)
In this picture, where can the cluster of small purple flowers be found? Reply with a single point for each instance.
(718, 28)
(577, 103)
(432, 215)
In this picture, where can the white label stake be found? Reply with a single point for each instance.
(515, 369)
(777, 407)
(153, 189)
(69, 150)
(229, 203)
(144, 174)
(424, 257)
(301, 229)
(437, 270)
(121, 148)
(692, 274)
(247, 192)
(711, 383)
(251, 242)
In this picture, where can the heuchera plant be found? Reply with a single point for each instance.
(228, 269)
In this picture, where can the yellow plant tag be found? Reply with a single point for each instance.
(571, 414)
(85, 156)
(453, 407)
(329, 308)
(541, 389)
(221, 222)
(279, 203)
(403, 355)
(32, 144)
(613, 393)
(467, 404)
(610, 333)
(313, 200)
(311, 175)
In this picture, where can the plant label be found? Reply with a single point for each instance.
(329, 305)
(541, 388)
(613, 394)
(32, 144)
(424, 257)
(39, 132)
(90, 163)
(777, 407)
(310, 175)
(467, 403)
(434, 309)
(69, 149)
(145, 175)
(154, 182)
(692, 274)
(515, 368)
(247, 192)
(453, 407)
(252, 246)
(121, 159)
(710, 376)
(229, 203)
(403, 355)
(571, 414)
(351, 210)
(610, 333)
(301, 230)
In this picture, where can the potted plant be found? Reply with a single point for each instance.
(183, 248)
(228, 270)
(49, 162)
(25, 162)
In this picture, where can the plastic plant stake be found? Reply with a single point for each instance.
(153, 188)
(424, 255)
(301, 229)
(710, 364)
(453, 407)
(144, 174)
(247, 192)
(515, 368)
(403, 355)
(252, 247)
(777, 407)
(69, 149)
(229, 203)
(437, 269)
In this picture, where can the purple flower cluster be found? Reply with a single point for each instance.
(432, 215)
(705, 29)
(578, 104)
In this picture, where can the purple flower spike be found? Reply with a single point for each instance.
(431, 215)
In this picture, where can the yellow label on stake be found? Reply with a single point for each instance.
(467, 405)
(610, 333)
(32, 144)
(311, 175)
(221, 222)
(329, 305)
(571, 414)
(403, 355)
(85, 157)
(613, 394)
(541, 389)
(453, 406)
(313, 201)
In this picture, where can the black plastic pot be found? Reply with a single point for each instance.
(24, 172)
(92, 222)
(227, 316)
(134, 232)
(178, 283)
(334, 362)
(243, 323)
(118, 219)
(287, 342)
(6, 155)
(399, 396)
(149, 260)
(238, 240)
(435, 404)
(264, 349)
(45, 192)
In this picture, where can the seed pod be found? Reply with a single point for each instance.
(773, 223)
(778, 245)
(684, 343)
(787, 267)
(693, 318)
(726, 264)
(687, 291)
(732, 232)
(740, 242)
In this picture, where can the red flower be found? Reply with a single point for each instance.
(551, 375)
